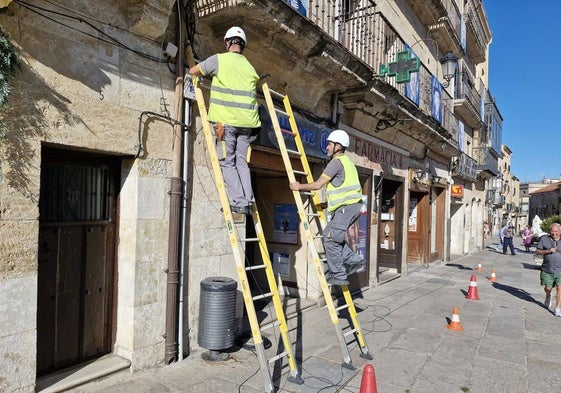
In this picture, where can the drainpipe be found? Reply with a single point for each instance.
(175, 201)
(185, 175)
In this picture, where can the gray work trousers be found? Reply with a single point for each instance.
(235, 169)
(337, 251)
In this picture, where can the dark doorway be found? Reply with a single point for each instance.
(390, 231)
(77, 238)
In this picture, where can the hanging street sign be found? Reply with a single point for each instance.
(402, 68)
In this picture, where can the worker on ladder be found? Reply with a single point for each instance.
(234, 113)
(344, 203)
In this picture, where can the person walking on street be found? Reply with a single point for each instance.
(344, 200)
(527, 237)
(507, 235)
(550, 276)
(234, 113)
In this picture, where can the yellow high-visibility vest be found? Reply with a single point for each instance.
(233, 97)
(349, 192)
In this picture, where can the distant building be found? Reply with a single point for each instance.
(545, 202)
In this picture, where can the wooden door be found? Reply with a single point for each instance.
(438, 226)
(418, 227)
(76, 259)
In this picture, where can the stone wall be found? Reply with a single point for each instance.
(79, 91)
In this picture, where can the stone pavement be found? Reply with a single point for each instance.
(510, 342)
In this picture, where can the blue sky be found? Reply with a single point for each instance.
(525, 79)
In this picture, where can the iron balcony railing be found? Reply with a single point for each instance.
(453, 15)
(365, 33)
(465, 89)
(465, 167)
(474, 22)
(486, 160)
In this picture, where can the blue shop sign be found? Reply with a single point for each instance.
(313, 135)
(299, 5)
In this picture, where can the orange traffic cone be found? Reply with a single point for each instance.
(493, 277)
(479, 268)
(455, 321)
(472, 291)
(368, 381)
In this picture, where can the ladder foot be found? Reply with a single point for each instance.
(366, 356)
(348, 366)
(297, 379)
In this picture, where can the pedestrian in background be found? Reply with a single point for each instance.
(507, 235)
(527, 237)
(234, 112)
(550, 276)
(344, 202)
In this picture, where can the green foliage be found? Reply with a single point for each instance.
(546, 224)
(9, 65)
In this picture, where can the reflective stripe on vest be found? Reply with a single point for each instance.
(349, 191)
(233, 98)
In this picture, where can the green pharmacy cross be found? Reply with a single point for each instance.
(402, 68)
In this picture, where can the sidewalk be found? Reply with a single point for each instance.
(510, 342)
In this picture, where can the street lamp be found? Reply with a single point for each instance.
(449, 63)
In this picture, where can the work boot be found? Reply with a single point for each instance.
(354, 267)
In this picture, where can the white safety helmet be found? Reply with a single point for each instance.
(235, 32)
(339, 136)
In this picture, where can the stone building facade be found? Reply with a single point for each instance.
(83, 212)
(96, 151)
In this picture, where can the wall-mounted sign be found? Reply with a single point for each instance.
(299, 5)
(313, 135)
(457, 191)
(402, 68)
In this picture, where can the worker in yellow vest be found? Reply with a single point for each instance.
(344, 202)
(234, 113)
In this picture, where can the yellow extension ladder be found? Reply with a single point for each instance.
(319, 217)
(242, 269)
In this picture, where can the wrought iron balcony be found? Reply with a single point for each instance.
(428, 11)
(476, 36)
(465, 167)
(446, 31)
(467, 103)
(493, 197)
(347, 42)
(487, 161)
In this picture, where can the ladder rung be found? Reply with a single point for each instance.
(255, 267)
(277, 357)
(250, 239)
(352, 331)
(270, 325)
(344, 306)
(313, 215)
(318, 237)
(300, 173)
(263, 296)
(276, 93)
(282, 112)
(293, 152)
(306, 193)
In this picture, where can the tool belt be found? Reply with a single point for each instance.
(220, 142)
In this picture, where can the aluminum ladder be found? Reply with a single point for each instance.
(242, 269)
(319, 217)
